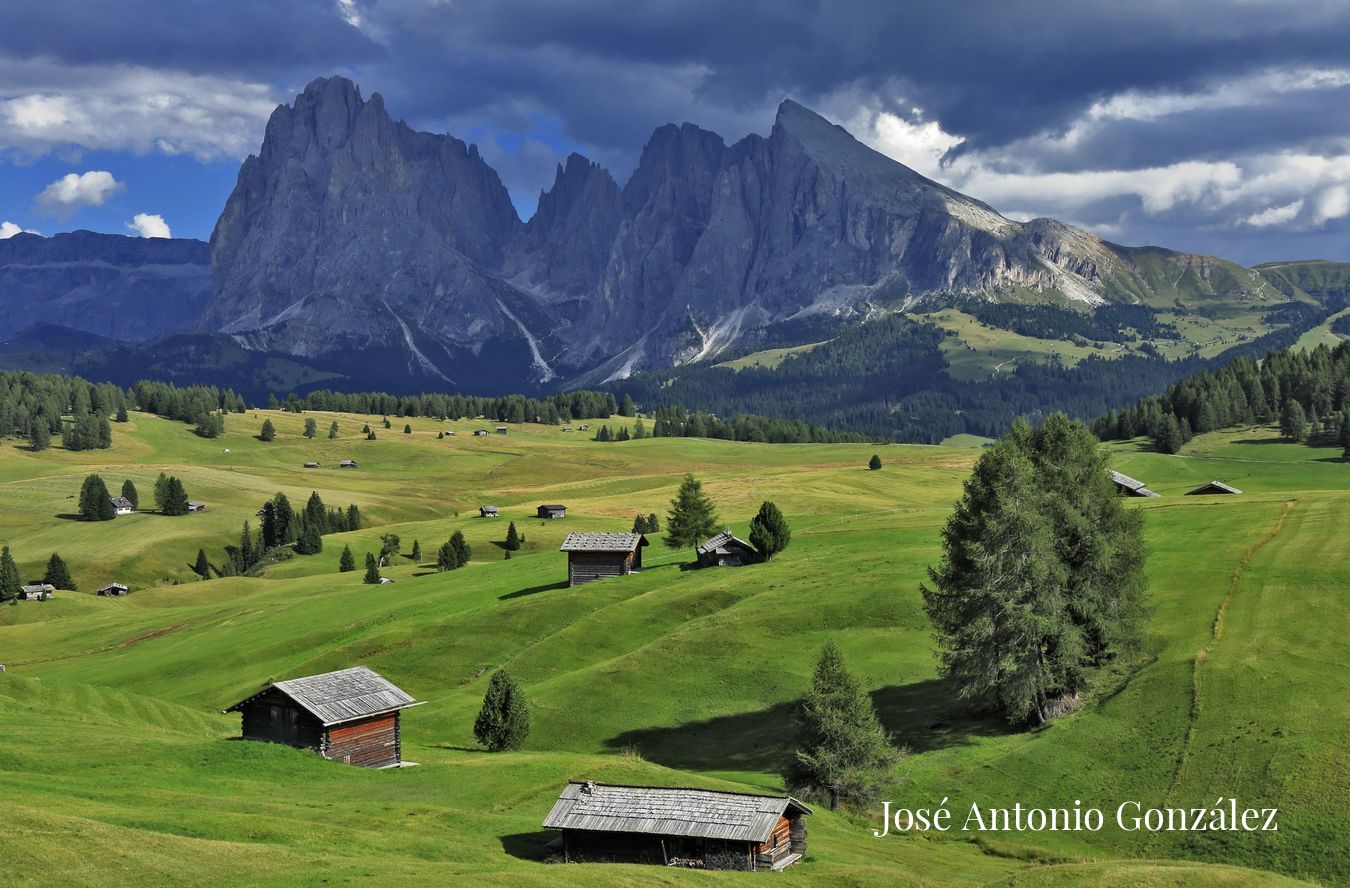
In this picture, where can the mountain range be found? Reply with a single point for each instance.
(360, 247)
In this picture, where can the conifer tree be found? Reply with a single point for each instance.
(130, 494)
(512, 538)
(874, 463)
(176, 499)
(353, 517)
(203, 567)
(311, 427)
(247, 556)
(39, 436)
(1344, 440)
(461, 548)
(333, 431)
(627, 407)
(407, 429)
(504, 721)
(57, 574)
(370, 435)
(347, 563)
(1294, 421)
(310, 541)
(161, 491)
(692, 517)
(389, 547)
(372, 576)
(446, 557)
(269, 431)
(121, 413)
(9, 576)
(845, 753)
(769, 531)
(387, 423)
(95, 503)
(416, 552)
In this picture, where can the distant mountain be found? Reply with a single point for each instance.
(350, 232)
(125, 288)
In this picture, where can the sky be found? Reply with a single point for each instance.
(1217, 127)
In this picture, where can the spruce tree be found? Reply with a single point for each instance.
(161, 491)
(9, 576)
(1345, 433)
(247, 556)
(372, 576)
(627, 407)
(57, 574)
(874, 463)
(311, 427)
(353, 517)
(389, 547)
(310, 541)
(461, 548)
(370, 435)
(446, 557)
(176, 499)
(39, 436)
(333, 431)
(416, 552)
(407, 429)
(769, 531)
(845, 753)
(269, 431)
(203, 567)
(504, 721)
(1294, 421)
(121, 413)
(347, 563)
(130, 495)
(512, 538)
(95, 503)
(692, 517)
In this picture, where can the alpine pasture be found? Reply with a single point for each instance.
(117, 768)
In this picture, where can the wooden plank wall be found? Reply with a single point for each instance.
(369, 743)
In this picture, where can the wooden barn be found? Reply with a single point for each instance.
(311, 464)
(501, 430)
(597, 555)
(347, 464)
(480, 433)
(1127, 486)
(552, 510)
(725, 550)
(1213, 487)
(36, 592)
(487, 511)
(112, 590)
(698, 828)
(352, 716)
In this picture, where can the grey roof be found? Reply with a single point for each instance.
(601, 541)
(1214, 485)
(337, 697)
(1130, 483)
(38, 587)
(656, 810)
(552, 506)
(121, 502)
(720, 540)
(111, 586)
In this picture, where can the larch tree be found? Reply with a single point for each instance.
(504, 721)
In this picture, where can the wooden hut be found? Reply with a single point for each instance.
(112, 590)
(602, 822)
(311, 464)
(1213, 487)
(194, 506)
(1127, 486)
(352, 716)
(726, 550)
(347, 464)
(552, 510)
(480, 433)
(597, 555)
(36, 592)
(487, 511)
(501, 430)
(122, 505)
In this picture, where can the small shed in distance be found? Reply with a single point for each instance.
(122, 505)
(351, 715)
(679, 827)
(195, 506)
(347, 464)
(597, 555)
(480, 433)
(726, 550)
(112, 590)
(501, 430)
(487, 511)
(36, 592)
(552, 510)
(1215, 487)
(1127, 486)
(311, 465)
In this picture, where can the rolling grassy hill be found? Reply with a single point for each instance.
(117, 768)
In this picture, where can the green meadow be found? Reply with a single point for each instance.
(116, 766)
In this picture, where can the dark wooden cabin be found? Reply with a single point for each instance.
(487, 511)
(552, 510)
(595, 555)
(36, 592)
(352, 716)
(1213, 487)
(725, 550)
(112, 590)
(1127, 486)
(602, 822)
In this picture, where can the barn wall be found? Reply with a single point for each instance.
(582, 567)
(275, 718)
(370, 743)
(616, 847)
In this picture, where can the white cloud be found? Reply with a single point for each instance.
(74, 190)
(1275, 215)
(149, 225)
(45, 107)
(9, 229)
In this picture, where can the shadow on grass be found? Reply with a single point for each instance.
(922, 716)
(530, 845)
(532, 590)
(1275, 440)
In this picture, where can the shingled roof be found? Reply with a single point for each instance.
(1214, 487)
(1131, 484)
(602, 541)
(653, 810)
(337, 697)
(718, 541)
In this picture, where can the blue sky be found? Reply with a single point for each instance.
(1219, 127)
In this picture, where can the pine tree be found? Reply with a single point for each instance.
(769, 531)
(9, 576)
(39, 436)
(844, 752)
(1294, 421)
(627, 407)
(446, 557)
(333, 431)
(370, 435)
(416, 552)
(387, 423)
(1345, 433)
(365, 429)
(461, 547)
(310, 541)
(372, 576)
(176, 500)
(130, 495)
(1168, 438)
(161, 491)
(311, 427)
(57, 574)
(389, 547)
(269, 431)
(874, 463)
(95, 503)
(512, 538)
(247, 557)
(504, 721)
(121, 412)
(692, 517)
(347, 563)
(407, 429)
(203, 567)
(353, 517)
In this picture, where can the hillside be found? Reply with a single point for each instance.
(119, 771)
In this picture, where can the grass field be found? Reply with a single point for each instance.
(769, 357)
(117, 768)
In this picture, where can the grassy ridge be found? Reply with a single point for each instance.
(115, 756)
